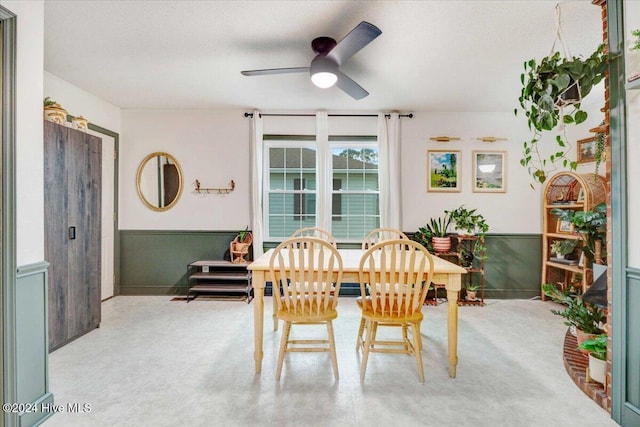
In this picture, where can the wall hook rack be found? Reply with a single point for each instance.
(444, 138)
(227, 190)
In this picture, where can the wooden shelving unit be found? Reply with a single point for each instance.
(466, 244)
(568, 190)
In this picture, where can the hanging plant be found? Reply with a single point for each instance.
(552, 91)
(600, 153)
(636, 42)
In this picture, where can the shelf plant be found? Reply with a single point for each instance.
(591, 225)
(434, 235)
(546, 101)
(468, 221)
(563, 247)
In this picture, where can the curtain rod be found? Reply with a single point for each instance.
(410, 115)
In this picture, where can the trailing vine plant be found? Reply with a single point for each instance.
(636, 42)
(549, 100)
(600, 153)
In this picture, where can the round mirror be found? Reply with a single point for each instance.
(159, 181)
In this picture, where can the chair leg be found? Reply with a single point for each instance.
(405, 337)
(365, 356)
(415, 327)
(283, 348)
(359, 340)
(332, 349)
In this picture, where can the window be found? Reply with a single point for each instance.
(291, 186)
(355, 196)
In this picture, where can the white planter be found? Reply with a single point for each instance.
(597, 370)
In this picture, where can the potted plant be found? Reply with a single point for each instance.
(434, 234)
(563, 247)
(597, 348)
(592, 227)
(472, 291)
(239, 246)
(53, 111)
(438, 229)
(584, 317)
(468, 222)
(549, 88)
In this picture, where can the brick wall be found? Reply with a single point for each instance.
(605, 38)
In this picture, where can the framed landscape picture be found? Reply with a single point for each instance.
(443, 171)
(489, 171)
(587, 150)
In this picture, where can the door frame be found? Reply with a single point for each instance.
(622, 275)
(116, 236)
(8, 266)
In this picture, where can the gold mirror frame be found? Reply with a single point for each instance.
(139, 176)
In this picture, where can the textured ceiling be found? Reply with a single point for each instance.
(431, 56)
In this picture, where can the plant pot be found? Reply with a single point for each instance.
(471, 295)
(441, 244)
(572, 94)
(597, 370)
(582, 337)
(55, 113)
(559, 256)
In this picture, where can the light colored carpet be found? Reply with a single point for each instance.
(154, 362)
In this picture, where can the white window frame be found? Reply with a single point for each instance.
(346, 145)
(321, 176)
(266, 188)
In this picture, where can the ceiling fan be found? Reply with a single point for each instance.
(324, 68)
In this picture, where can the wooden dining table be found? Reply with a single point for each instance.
(444, 272)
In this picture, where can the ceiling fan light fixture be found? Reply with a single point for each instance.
(324, 79)
(324, 72)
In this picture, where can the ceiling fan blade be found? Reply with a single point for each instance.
(363, 34)
(350, 87)
(275, 71)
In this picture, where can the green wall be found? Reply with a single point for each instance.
(31, 356)
(155, 262)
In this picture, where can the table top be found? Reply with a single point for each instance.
(351, 262)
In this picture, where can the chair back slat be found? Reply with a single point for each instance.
(404, 270)
(378, 235)
(318, 232)
(306, 273)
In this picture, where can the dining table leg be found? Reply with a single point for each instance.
(452, 323)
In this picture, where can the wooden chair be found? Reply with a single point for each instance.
(380, 235)
(318, 232)
(397, 273)
(376, 235)
(306, 274)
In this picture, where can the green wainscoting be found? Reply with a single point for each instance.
(513, 266)
(31, 358)
(155, 262)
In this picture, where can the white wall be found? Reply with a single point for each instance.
(211, 146)
(516, 211)
(29, 155)
(80, 103)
